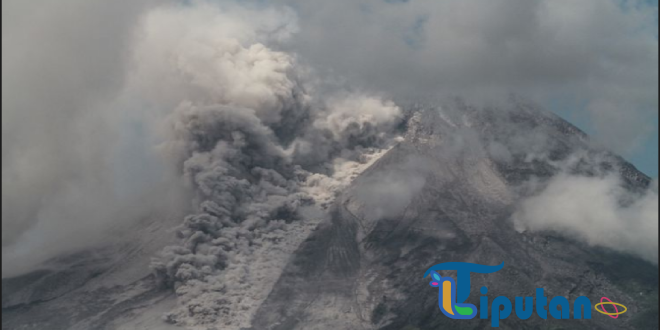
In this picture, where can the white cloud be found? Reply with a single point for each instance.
(592, 210)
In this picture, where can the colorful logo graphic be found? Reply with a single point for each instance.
(446, 301)
(453, 293)
(612, 315)
(451, 297)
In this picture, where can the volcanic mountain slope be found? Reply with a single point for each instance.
(103, 288)
(447, 193)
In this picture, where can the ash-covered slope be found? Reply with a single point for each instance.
(111, 287)
(448, 193)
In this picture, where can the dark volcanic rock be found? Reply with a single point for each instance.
(363, 268)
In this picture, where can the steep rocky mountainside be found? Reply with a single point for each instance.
(362, 268)
(447, 192)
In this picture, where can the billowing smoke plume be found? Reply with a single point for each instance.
(254, 141)
(77, 162)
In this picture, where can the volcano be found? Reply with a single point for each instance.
(447, 192)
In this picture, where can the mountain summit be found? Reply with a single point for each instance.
(449, 193)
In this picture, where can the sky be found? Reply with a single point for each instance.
(647, 159)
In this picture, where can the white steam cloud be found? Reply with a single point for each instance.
(596, 210)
